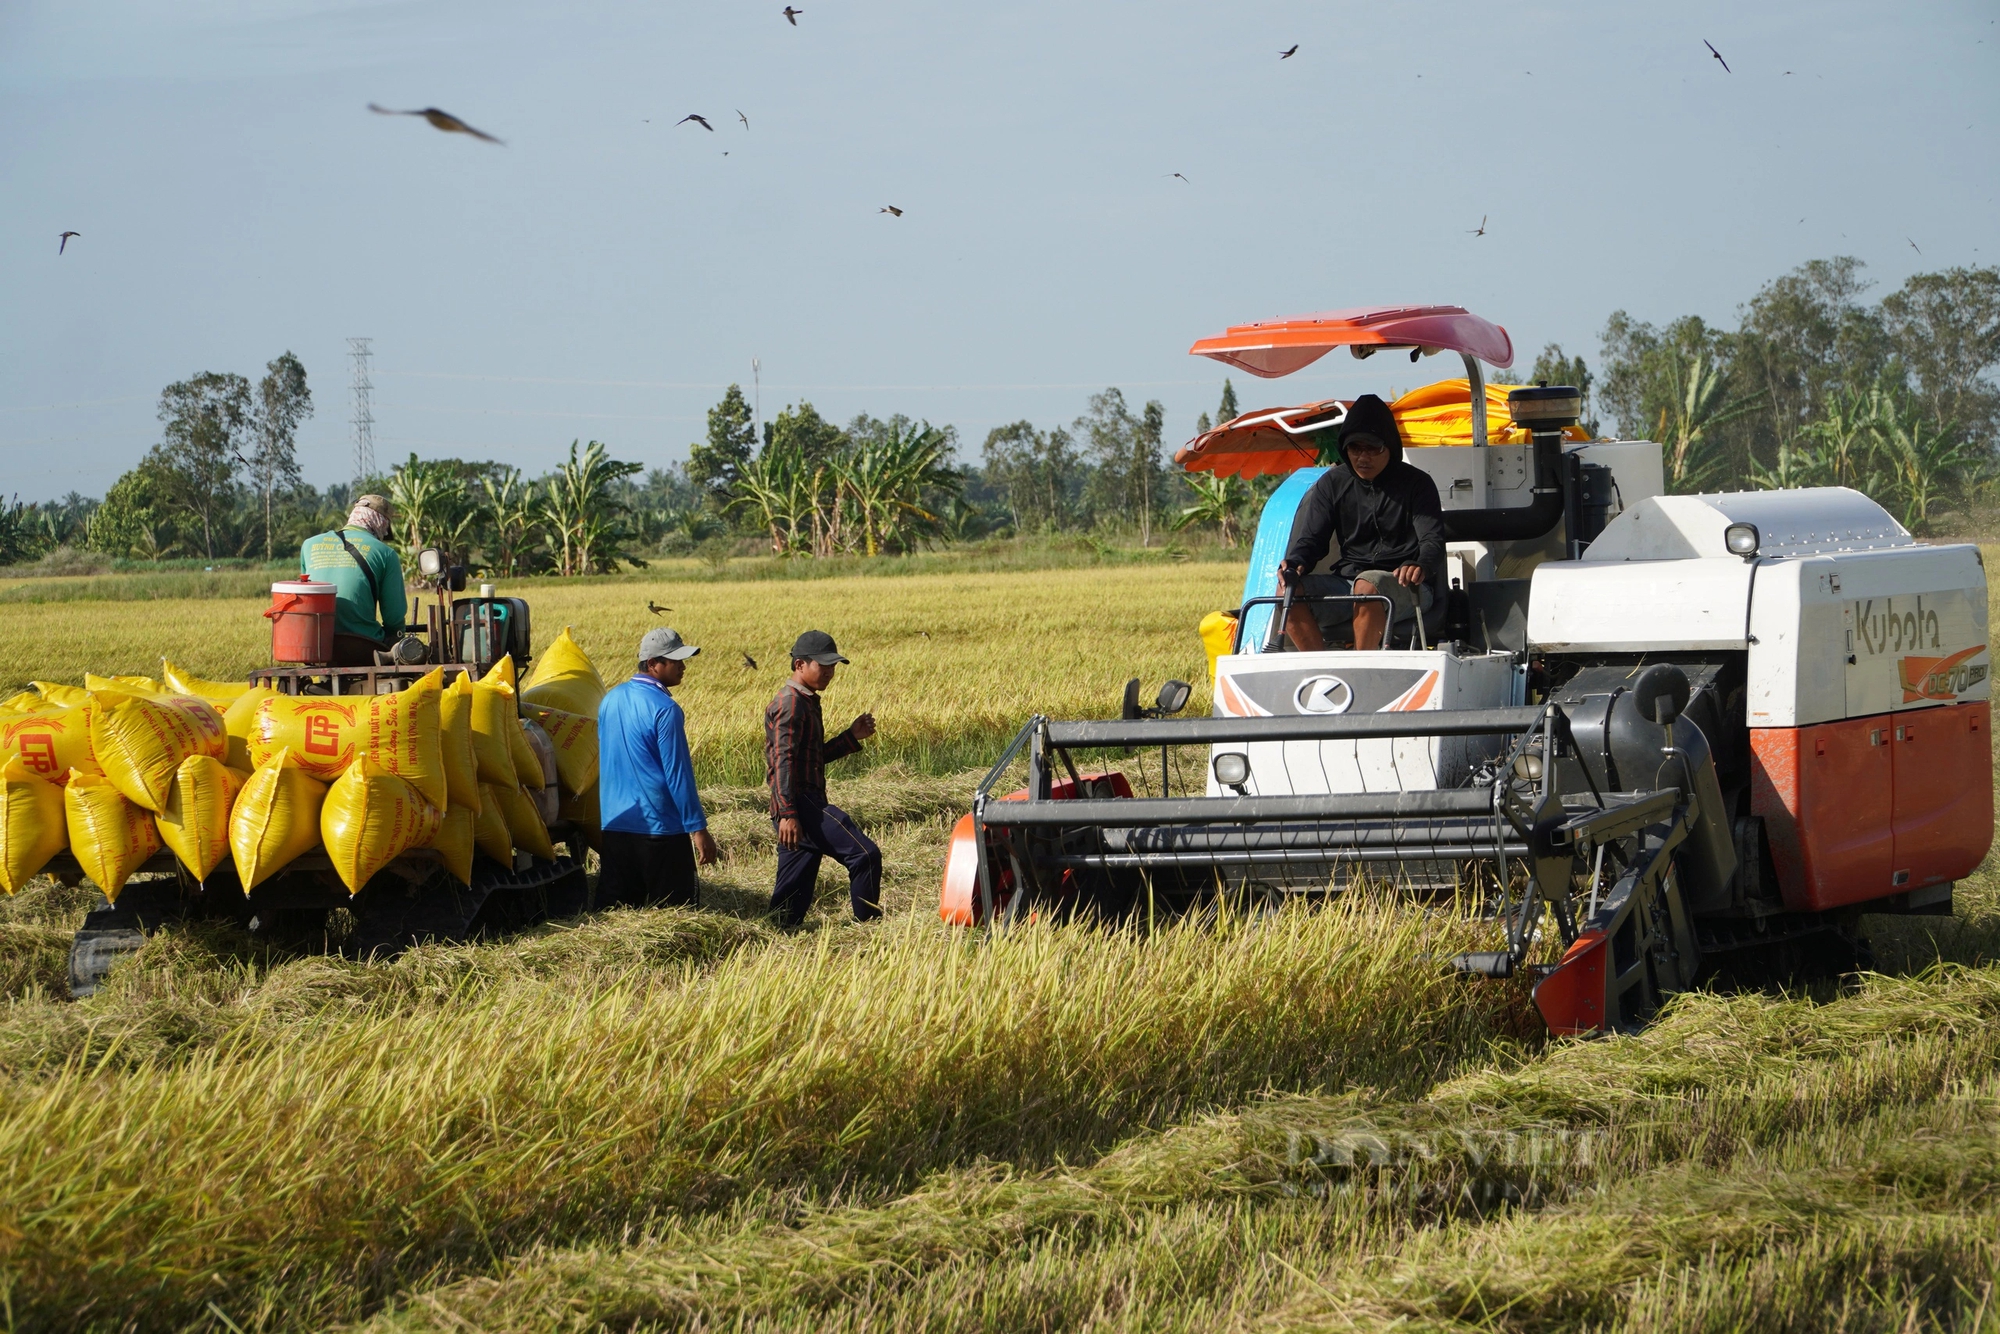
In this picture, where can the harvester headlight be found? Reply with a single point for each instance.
(1232, 768)
(430, 562)
(1742, 540)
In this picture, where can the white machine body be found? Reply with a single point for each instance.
(1842, 613)
(1262, 685)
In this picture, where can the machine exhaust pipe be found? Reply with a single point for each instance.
(1544, 410)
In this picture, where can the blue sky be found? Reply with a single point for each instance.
(607, 272)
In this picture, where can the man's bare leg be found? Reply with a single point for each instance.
(1369, 618)
(1303, 627)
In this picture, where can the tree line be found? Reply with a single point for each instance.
(1814, 386)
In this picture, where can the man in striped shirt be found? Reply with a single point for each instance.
(796, 749)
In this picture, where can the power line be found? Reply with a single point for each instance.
(364, 416)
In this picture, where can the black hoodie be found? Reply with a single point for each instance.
(1394, 520)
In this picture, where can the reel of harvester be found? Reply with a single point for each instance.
(1561, 867)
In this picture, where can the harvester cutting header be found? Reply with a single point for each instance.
(1478, 653)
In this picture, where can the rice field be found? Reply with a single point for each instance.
(947, 662)
(686, 1119)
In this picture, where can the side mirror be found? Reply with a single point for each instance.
(455, 579)
(1661, 692)
(1173, 697)
(1131, 707)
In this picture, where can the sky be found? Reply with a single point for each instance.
(606, 272)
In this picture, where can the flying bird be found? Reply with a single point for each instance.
(792, 15)
(656, 608)
(699, 120)
(62, 242)
(891, 209)
(749, 662)
(745, 119)
(440, 120)
(1914, 246)
(1480, 230)
(1717, 54)
(1288, 54)
(1178, 176)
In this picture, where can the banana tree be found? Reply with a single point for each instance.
(508, 514)
(1699, 407)
(1218, 500)
(583, 512)
(1926, 461)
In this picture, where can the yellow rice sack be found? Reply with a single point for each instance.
(581, 811)
(524, 823)
(564, 678)
(574, 740)
(128, 685)
(219, 693)
(276, 818)
(195, 823)
(461, 769)
(370, 818)
(33, 827)
(27, 701)
(453, 842)
(68, 697)
(239, 720)
(110, 835)
(527, 761)
(494, 728)
(51, 741)
(400, 732)
(320, 732)
(141, 740)
(489, 828)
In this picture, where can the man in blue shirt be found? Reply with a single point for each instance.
(654, 827)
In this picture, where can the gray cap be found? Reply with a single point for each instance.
(662, 642)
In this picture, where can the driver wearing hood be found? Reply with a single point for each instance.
(1390, 526)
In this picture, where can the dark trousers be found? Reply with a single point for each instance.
(827, 831)
(355, 650)
(642, 869)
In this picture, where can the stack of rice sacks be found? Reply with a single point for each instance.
(123, 766)
(561, 695)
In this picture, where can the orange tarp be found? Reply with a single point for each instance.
(1282, 440)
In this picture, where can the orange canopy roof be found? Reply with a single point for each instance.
(1283, 440)
(1271, 348)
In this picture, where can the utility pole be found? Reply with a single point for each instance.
(757, 401)
(364, 416)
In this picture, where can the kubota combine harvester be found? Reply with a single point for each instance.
(1645, 733)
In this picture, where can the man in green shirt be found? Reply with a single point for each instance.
(366, 573)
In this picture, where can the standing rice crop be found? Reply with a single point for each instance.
(325, 1165)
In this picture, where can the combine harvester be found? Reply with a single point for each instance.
(1651, 736)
